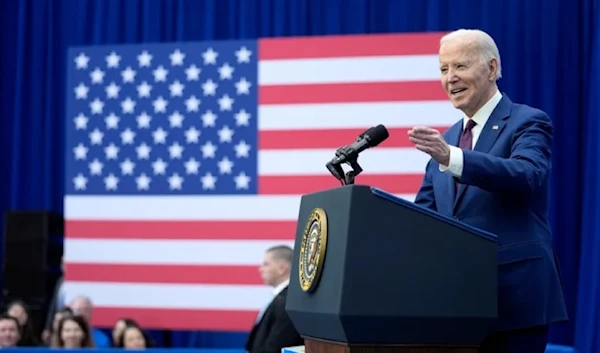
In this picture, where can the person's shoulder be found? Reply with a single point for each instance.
(100, 338)
(280, 299)
(528, 114)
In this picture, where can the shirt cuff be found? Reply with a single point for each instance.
(455, 167)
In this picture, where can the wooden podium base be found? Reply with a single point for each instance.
(312, 345)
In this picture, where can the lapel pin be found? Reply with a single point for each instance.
(495, 127)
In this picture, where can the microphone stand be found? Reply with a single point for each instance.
(336, 170)
(352, 174)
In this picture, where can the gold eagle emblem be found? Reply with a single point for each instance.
(312, 249)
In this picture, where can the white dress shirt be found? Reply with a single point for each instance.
(455, 167)
(280, 287)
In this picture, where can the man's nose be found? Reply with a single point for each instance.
(452, 76)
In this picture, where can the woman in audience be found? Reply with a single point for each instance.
(59, 315)
(119, 327)
(133, 337)
(73, 332)
(19, 311)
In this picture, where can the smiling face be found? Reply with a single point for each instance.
(9, 332)
(133, 338)
(467, 79)
(72, 334)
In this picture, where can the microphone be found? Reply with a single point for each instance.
(370, 138)
(349, 153)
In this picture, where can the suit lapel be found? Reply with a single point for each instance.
(269, 307)
(257, 324)
(494, 126)
(492, 129)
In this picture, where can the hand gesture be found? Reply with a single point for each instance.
(430, 141)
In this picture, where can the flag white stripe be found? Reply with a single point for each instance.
(349, 69)
(356, 115)
(312, 161)
(171, 296)
(168, 252)
(200, 208)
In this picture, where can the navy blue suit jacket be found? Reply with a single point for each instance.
(504, 190)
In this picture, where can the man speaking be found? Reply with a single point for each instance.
(491, 170)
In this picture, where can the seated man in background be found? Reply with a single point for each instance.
(273, 329)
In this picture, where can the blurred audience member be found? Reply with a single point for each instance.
(119, 327)
(59, 315)
(18, 309)
(10, 333)
(82, 305)
(133, 337)
(273, 329)
(73, 332)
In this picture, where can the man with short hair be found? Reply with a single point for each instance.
(491, 170)
(10, 332)
(273, 329)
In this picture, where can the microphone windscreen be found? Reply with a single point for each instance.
(377, 135)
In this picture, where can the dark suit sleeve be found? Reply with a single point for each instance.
(282, 334)
(527, 167)
(425, 196)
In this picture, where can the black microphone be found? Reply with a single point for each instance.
(349, 154)
(370, 138)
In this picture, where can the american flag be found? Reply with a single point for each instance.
(186, 161)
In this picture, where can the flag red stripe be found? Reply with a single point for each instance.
(294, 185)
(180, 230)
(348, 46)
(352, 92)
(188, 274)
(335, 138)
(178, 319)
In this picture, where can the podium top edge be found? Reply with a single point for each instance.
(390, 197)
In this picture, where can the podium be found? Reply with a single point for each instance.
(375, 273)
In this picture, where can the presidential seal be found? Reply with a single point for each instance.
(312, 249)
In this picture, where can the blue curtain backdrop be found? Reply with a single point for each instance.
(550, 53)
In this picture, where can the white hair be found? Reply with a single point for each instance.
(83, 298)
(484, 41)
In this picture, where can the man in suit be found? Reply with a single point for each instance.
(491, 170)
(273, 329)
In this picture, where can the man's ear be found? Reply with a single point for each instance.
(284, 267)
(493, 67)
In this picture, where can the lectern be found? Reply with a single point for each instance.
(375, 273)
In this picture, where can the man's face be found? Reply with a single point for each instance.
(270, 270)
(9, 333)
(83, 308)
(465, 78)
